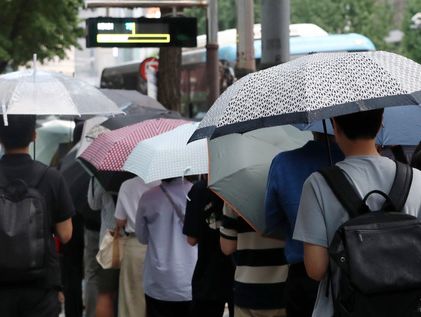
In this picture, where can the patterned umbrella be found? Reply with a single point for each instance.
(168, 155)
(110, 150)
(312, 88)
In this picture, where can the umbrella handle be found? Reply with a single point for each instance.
(182, 179)
(4, 111)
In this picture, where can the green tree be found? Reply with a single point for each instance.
(226, 15)
(46, 28)
(370, 18)
(411, 44)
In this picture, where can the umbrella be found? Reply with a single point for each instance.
(110, 150)
(139, 115)
(239, 166)
(43, 93)
(130, 100)
(168, 155)
(312, 88)
(401, 125)
(91, 129)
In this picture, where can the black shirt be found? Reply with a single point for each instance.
(57, 198)
(214, 272)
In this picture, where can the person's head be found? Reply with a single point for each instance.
(19, 132)
(359, 125)
(357, 131)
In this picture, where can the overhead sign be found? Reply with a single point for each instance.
(141, 32)
(145, 3)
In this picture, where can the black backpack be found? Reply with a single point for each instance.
(377, 253)
(25, 232)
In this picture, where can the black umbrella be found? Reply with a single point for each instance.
(109, 180)
(128, 100)
(139, 115)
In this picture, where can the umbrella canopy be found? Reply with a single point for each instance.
(110, 150)
(312, 88)
(43, 93)
(239, 166)
(91, 129)
(139, 115)
(168, 155)
(130, 100)
(401, 125)
(136, 107)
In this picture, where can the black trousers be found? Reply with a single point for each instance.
(159, 308)
(72, 270)
(210, 308)
(29, 302)
(301, 292)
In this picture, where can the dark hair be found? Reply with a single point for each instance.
(19, 131)
(360, 125)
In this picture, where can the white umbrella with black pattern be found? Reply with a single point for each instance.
(313, 88)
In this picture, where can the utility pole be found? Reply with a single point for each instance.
(275, 32)
(245, 33)
(212, 59)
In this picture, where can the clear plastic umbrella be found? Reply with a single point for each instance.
(46, 93)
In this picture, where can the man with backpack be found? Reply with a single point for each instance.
(35, 205)
(358, 221)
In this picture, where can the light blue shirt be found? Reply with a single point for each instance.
(170, 260)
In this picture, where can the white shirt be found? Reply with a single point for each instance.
(170, 260)
(128, 200)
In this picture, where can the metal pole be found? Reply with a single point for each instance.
(212, 59)
(275, 32)
(245, 31)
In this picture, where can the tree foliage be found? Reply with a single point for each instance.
(411, 44)
(226, 15)
(46, 28)
(368, 17)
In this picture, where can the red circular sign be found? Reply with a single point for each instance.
(150, 62)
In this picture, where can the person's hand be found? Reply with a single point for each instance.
(120, 223)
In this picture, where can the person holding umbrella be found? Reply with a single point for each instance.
(169, 260)
(131, 298)
(213, 276)
(320, 213)
(286, 177)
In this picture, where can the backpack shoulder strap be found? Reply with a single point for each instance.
(400, 188)
(3, 179)
(343, 190)
(39, 171)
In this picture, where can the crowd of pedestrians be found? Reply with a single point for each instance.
(185, 252)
